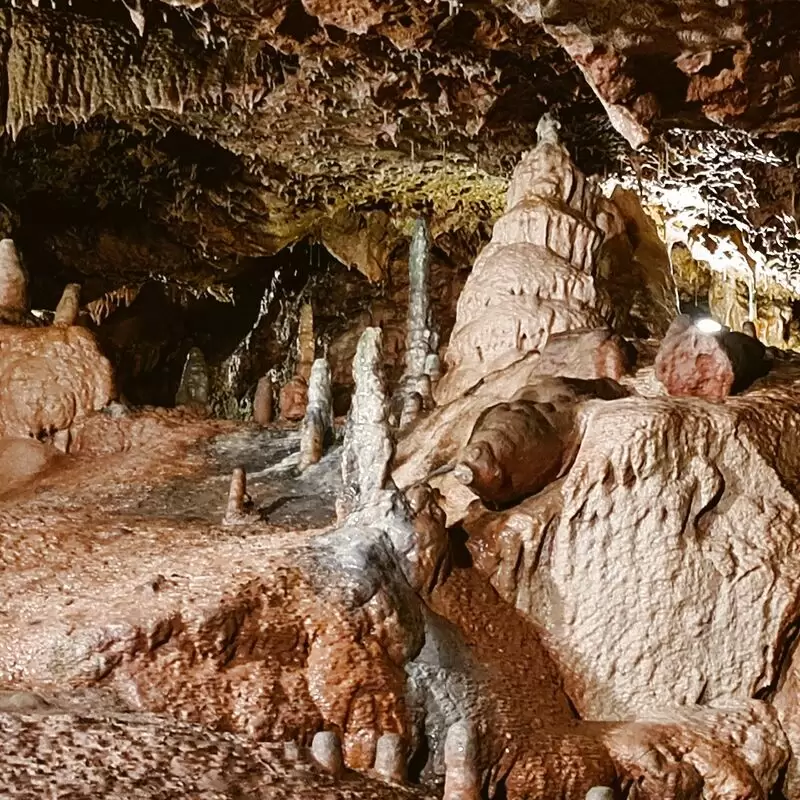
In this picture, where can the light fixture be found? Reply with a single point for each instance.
(707, 325)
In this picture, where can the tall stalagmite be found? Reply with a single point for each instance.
(537, 275)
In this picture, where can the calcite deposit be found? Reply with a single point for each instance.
(523, 524)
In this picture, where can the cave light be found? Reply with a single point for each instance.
(707, 325)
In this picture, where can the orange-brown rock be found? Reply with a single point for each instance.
(294, 399)
(691, 363)
(51, 377)
(263, 401)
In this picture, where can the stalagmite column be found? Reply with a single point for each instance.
(422, 359)
(461, 781)
(390, 758)
(537, 275)
(263, 402)
(236, 513)
(193, 389)
(306, 349)
(318, 422)
(368, 445)
(326, 748)
(13, 281)
(68, 307)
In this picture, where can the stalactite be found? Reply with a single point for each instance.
(69, 306)
(318, 422)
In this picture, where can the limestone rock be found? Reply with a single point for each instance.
(293, 399)
(691, 363)
(51, 377)
(686, 506)
(537, 275)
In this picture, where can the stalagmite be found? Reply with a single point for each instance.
(390, 758)
(368, 445)
(236, 510)
(538, 275)
(749, 329)
(68, 307)
(422, 363)
(600, 793)
(305, 341)
(318, 422)
(461, 781)
(13, 281)
(193, 389)
(263, 402)
(326, 748)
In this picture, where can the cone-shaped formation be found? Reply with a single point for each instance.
(537, 275)
(368, 445)
(193, 389)
(263, 402)
(236, 512)
(13, 281)
(69, 305)
(318, 422)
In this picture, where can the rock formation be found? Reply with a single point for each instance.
(422, 342)
(537, 275)
(317, 430)
(691, 363)
(193, 389)
(556, 570)
(263, 401)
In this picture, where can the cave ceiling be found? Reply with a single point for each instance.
(188, 140)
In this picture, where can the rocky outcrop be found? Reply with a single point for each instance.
(51, 378)
(708, 500)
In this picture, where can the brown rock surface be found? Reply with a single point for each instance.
(293, 399)
(51, 377)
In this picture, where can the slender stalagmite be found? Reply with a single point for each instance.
(422, 361)
(318, 422)
(193, 389)
(305, 341)
(368, 445)
(263, 402)
(13, 281)
(68, 306)
(235, 513)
